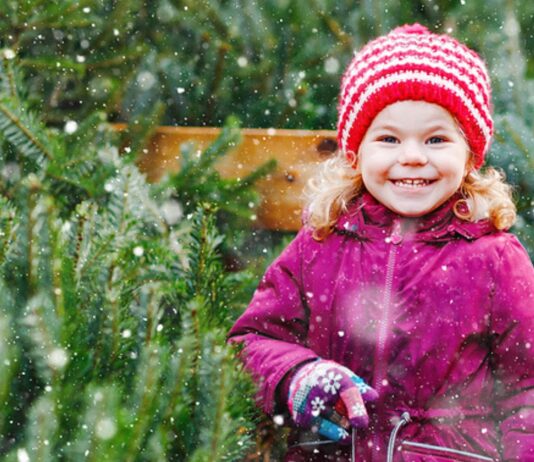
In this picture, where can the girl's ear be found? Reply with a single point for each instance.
(352, 159)
(469, 165)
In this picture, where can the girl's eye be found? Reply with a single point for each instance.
(388, 139)
(436, 140)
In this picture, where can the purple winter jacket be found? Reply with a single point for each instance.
(437, 314)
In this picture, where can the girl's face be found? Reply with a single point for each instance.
(413, 157)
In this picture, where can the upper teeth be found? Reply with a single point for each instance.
(412, 182)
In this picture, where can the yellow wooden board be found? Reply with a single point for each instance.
(297, 152)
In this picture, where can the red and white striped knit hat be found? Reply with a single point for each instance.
(411, 63)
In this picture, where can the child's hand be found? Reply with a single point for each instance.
(329, 398)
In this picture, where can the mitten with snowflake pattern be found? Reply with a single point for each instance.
(329, 398)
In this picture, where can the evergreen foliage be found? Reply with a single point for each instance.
(113, 309)
(112, 321)
(274, 63)
(197, 181)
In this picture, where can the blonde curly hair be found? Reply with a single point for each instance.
(337, 183)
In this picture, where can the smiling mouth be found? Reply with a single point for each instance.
(413, 183)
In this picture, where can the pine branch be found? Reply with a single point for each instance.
(8, 78)
(200, 166)
(141, 129)
(178, 375)
(204, 265)
(54, 64)
(8, 359)
(147, 389)
(32, 256)
(9, 224)
(20, 130)
(249, 180)
(218, 423)
(153, 315)
(43, 330)
(43, 425)
(112, 296)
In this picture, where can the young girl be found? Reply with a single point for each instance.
(399, 323)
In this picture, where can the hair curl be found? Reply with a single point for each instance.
(337, 183)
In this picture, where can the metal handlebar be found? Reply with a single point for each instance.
(404, 419)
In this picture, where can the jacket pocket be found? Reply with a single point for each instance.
(421, 452)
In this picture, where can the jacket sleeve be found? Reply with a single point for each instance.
(274, 328)
(513, 354)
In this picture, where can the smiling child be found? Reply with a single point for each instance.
(403, 309)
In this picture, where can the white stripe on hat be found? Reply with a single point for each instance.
(355, 86)
(374, 53)
(445, 43)
(359, 65)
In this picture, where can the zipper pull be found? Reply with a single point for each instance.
(396, 236)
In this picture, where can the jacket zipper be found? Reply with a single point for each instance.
(380, 353)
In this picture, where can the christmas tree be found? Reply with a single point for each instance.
(113, 321)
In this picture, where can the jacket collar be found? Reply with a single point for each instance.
(367, 218)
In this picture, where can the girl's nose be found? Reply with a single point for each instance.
(412, 154)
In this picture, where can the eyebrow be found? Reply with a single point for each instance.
(439, 126)
(390, 128)
(436, 126)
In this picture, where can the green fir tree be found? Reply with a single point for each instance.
(113, 322)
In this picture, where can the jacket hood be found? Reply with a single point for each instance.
(368, 219)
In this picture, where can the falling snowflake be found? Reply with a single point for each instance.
(331, 65)
(172, 211)
(8, 53)
(105, 428)
(70, 127)
(126, 333)
(22, 455)
(146, 80)
(57, 359)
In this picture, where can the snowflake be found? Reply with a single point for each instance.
(331, 382)
(317, 406)
(358, 410)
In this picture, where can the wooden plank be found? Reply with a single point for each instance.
(297, 152)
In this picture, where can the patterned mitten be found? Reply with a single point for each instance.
(329, 398)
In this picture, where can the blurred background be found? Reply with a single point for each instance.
(271, 63)
(116, 293)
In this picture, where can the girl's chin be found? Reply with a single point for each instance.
(414, 208)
